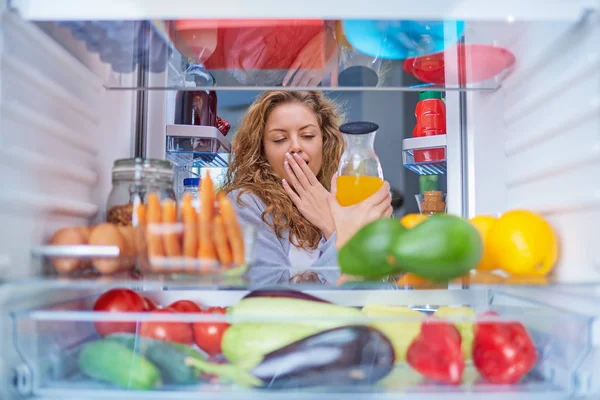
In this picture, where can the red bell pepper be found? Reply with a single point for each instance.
(436, 352)
(503, 352)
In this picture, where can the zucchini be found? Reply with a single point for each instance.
(245, 344)
(294, 311)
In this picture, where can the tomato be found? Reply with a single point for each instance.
(185, 306)
(170, 331)
(149, 304)
(208, 335)
(118, 300)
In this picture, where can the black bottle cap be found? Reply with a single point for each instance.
(358, 128)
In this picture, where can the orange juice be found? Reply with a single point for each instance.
(354, 189)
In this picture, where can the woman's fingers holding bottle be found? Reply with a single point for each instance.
(380, 196)
(388, 212)
(384, 208)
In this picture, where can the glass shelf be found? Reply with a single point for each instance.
(136, 279)
(262, 54)
(425, 155)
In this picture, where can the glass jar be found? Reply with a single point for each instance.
(132, 180)
(432, 202)
(360, 173)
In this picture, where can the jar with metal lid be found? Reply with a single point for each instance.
(132, 180)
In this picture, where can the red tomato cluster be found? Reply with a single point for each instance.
(206, 335)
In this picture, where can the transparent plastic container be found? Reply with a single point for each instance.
(85, 259)
(164, 250)
(279, 347)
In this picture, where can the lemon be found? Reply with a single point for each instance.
(411, 220)
(523, 243)
(483, 224)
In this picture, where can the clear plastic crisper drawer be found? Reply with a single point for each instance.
(279, 343)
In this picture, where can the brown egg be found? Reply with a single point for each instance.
(72, 236)
(85, 231)
(107, 235)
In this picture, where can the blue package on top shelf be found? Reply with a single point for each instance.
(123, 44)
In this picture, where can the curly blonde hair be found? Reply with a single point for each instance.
(250, 171)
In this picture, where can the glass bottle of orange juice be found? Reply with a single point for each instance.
(360, 173)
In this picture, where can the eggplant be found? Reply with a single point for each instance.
(284, 293)
(343, 356)
(349, 355)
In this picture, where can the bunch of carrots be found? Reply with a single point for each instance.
(212, 236)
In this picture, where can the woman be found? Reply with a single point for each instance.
(284, 158)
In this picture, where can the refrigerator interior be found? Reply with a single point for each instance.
(527, 137)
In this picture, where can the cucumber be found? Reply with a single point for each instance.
(168, 357)
(109, 361)
(129, 340)
(171, 363)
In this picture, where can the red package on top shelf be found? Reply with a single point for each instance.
(252, 44)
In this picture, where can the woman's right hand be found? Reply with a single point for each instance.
(349, 220)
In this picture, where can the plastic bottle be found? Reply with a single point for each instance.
(191, 185)
(431, 120)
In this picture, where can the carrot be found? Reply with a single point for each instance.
(154, 242)
(207, 198)
(190, 232)
(140, 228)
(170, 236)
(140, 211)
(206, 248)
(233, 229)
(223, 250)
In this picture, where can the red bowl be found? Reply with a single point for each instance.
(476, 63)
